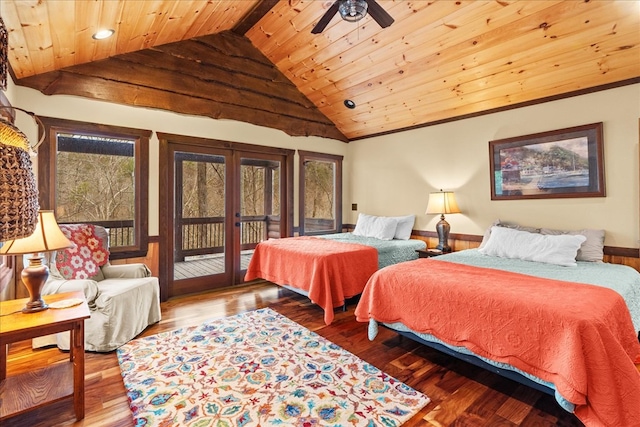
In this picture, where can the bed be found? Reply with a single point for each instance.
(332, 268)
(560, 329)
(328, 269)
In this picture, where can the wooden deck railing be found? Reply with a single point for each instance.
(201, 236)
(198, 236)
(120, 232)
(318, 225)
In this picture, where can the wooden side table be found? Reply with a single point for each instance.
(19, 393)
(428, 253)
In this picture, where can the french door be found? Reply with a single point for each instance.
(221, 200)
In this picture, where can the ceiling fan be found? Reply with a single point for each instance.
(352, 11)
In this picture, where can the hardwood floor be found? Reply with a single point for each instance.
(461, 394)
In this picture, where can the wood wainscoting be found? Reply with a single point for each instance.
(458, 242)
(151, 260)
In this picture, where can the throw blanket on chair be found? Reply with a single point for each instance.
(89, 253)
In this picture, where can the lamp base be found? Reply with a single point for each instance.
(34, 277)
(35, 306)
(443, 227)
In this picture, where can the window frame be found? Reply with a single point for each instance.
(47, 156)
(305, 156)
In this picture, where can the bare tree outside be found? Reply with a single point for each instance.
(275, 197)
(259, 191)
(204, 198)
(203, 188)
(252, 190)
(97, 183)
(319, 195)
(94, 187)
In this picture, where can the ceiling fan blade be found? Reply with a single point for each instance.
(379, 14)
(326, 18)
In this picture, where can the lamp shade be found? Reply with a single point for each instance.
(442, 202)
(18, 190)
(47, 237)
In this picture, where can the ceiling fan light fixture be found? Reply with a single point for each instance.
(353, 10)
(103, 34)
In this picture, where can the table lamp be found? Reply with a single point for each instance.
(47, 237)
(442, 202)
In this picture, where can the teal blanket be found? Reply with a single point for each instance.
(389, 251)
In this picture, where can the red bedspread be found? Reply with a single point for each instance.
(579, 337)
(328, 271)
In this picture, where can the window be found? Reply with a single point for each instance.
(97, 174)
(320, 193)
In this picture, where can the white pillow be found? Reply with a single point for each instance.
(508, 243)
(405, 226)
(383, 228)
(511, 225)
(592, 249)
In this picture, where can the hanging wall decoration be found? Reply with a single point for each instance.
(561, 163)
(4, 49)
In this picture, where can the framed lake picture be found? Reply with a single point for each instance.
(561, 163)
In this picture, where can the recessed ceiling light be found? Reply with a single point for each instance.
(103, 34)
(349, 104)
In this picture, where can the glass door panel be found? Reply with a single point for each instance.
(260, 207)
(200, 216)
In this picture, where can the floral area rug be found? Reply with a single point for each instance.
(257, 369)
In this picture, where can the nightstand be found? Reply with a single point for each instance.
(19, 393)
(428, 253)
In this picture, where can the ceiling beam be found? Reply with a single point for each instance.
(262, 8)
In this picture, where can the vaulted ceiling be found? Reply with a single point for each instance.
(258, 61)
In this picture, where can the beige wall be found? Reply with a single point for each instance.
(393, 174)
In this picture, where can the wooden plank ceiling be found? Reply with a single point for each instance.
(440, 60)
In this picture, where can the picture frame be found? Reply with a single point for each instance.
(557, 164)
